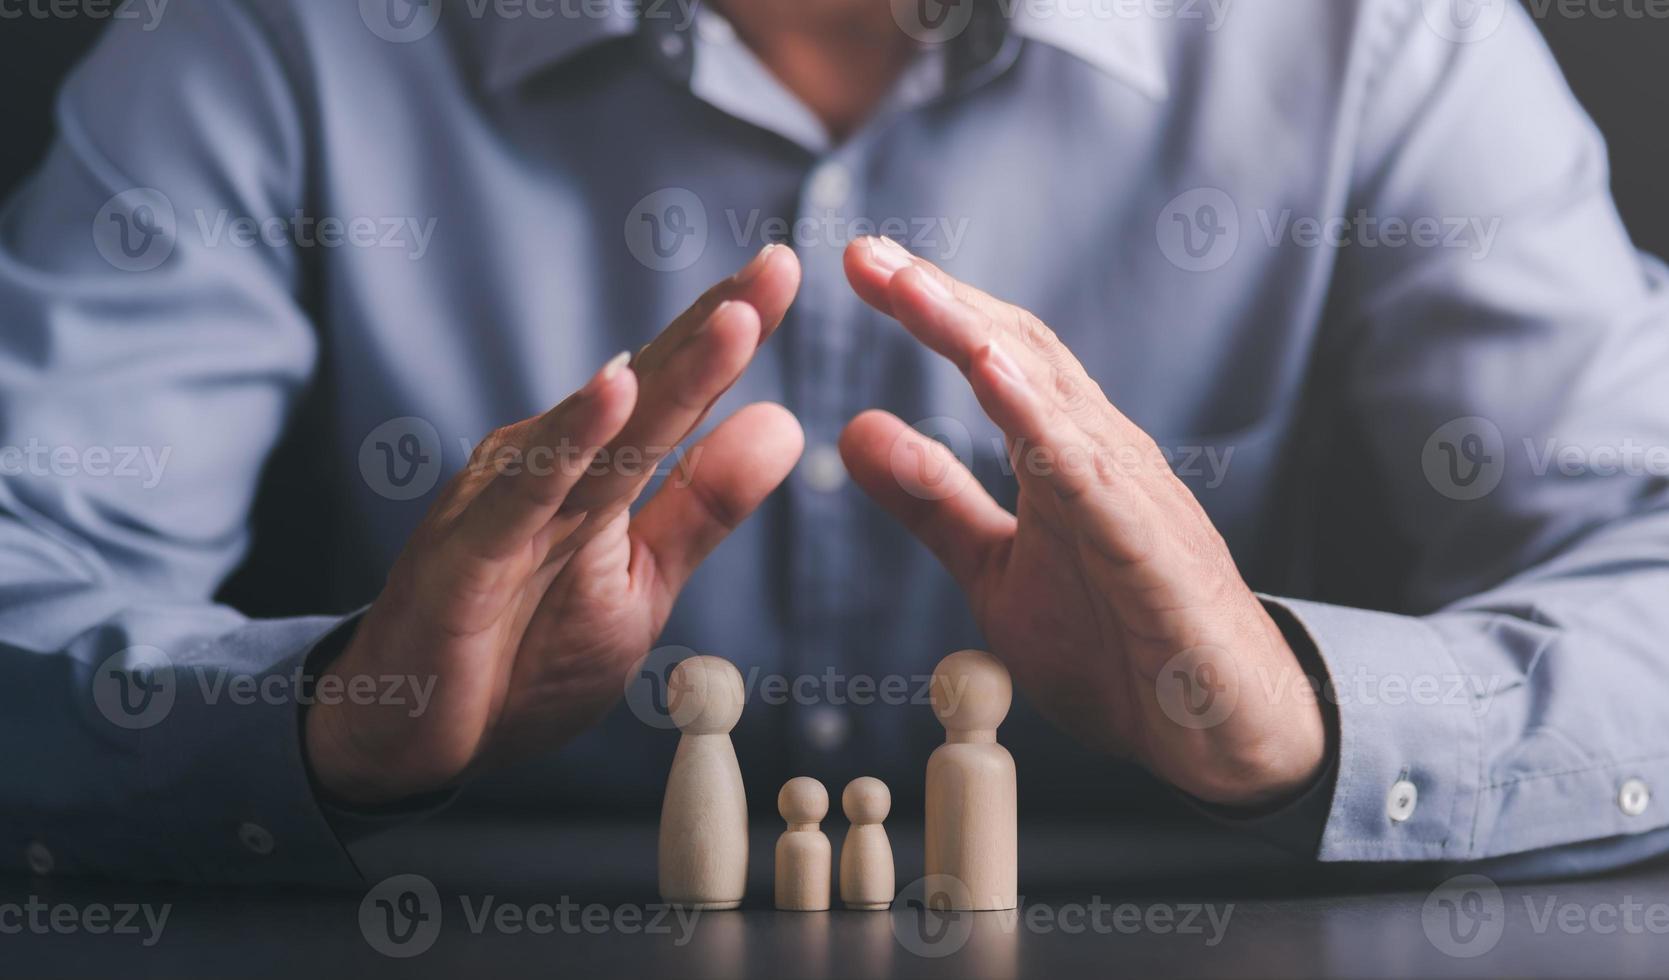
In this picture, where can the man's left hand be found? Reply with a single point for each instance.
(1109, 594)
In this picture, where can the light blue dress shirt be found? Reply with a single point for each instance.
(1353, 262)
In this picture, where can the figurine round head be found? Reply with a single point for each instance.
(705, 696)
(803, 800)
(866, 800)
(971, 691)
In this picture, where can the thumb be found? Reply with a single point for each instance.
(726, 477)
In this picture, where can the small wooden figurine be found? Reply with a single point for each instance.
(804, 856)
(866, 869)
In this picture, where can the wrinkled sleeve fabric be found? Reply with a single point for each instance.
(1507, 387)
(148, 359)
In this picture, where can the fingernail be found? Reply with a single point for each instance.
(888, 254)
(755, 265)
(615, 365)
(1006, 365)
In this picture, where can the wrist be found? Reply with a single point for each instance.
(347, 768)
(1304, 726)
(344, 773)
(1280, 738)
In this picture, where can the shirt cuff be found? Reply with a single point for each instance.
(1410, 753)
(232, 761)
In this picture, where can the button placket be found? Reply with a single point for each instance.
(823, 363)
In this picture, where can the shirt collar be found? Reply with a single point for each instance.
(1119, 39)
(1125, 45)
(546, 34)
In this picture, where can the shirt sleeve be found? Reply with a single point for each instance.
(149, 353)
(1503, 384)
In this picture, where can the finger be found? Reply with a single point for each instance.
(543, 465)
(1099, 486)
(927, 489)
(870, 265)
(768, 283)
(730, 473)
(920, 299)
(672, 400)
(903, 286)
(963, 334)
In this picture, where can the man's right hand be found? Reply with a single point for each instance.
(530, 591)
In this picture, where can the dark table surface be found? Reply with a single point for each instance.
(526, 897)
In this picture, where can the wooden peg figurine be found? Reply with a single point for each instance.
(704, 817)
(804, 856)
(866, 869)
(971, 787)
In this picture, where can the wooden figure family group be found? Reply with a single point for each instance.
(971, 821)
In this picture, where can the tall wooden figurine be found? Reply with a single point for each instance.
(972, 821)
(704, 817)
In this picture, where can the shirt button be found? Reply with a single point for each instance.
(39, 858)
(826, 728)
(672, 46)
(1400, 802)
(256, 838)
(1633, 798)
(830, 185)
(823, 471)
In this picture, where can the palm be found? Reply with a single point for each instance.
(588, 622)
